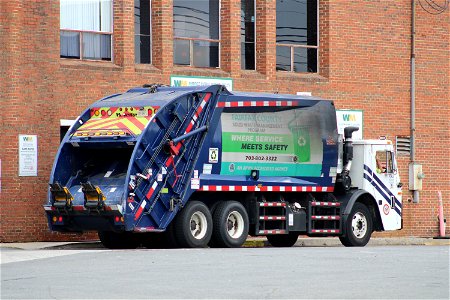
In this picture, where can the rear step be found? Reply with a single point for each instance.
(324, 218)
(272, 204)
(271, 217)
(325, 231)
(265, 232)
(325, 204)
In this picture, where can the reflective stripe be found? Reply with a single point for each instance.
(263, 103)
(140, 210)
(269, 188)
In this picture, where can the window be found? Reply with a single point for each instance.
(385, 162)
(86, 29)
(196, 32)
(248, 34)
(142, 29)
(297, 39)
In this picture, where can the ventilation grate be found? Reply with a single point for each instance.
(403, 145)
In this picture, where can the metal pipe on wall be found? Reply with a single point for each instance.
(413, 90)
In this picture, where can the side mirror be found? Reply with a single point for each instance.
(399, 185)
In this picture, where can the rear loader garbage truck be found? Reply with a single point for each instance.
(199, 166)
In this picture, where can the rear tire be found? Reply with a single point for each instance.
(193, 226)
(230, 229)
(358, 227)
(118, 240)
(283, 240)
(160, 240)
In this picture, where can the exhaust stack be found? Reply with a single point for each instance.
(344, 177)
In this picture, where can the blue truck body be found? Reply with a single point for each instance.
(112, 173)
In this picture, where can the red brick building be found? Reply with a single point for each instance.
(356, 53)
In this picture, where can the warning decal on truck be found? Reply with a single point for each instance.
(110, 121)
(275, 143)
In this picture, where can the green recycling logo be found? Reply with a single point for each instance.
(213, 155)
(301, 141)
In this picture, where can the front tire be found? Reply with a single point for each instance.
(283, 240)
(193, 226)
(230, 228)
(358, 227)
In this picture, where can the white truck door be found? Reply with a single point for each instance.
(382, 173)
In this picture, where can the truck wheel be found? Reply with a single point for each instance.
(118, 240)
(230, 228)
(193, 226)
(160, 240)
(283, 240)
(358, 227)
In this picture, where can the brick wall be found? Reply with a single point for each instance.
(364, 64)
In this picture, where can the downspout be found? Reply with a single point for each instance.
(413, 91)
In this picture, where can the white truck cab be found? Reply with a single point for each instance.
(374, 169)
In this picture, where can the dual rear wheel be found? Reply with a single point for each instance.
(196, 227)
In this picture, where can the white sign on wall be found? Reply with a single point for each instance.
(194, 81)
(28, 155)
(347, 117)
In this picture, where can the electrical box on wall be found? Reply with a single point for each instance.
(415, 177)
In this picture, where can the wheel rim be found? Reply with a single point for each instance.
(359, 225)
(235, 224)
(199, 225)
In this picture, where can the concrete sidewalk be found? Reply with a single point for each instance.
(251, 242)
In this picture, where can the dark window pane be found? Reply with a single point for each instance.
(96, 46)
(312, 23)
(196, 18)
(248, 34)
(283, 58)
(206, 54)
(312, 60)
(142, 29)
(142, 49)
(297, 22)
(69, 44)
(247, 21)
(248, 56)
(142, 17)
(181, 52)
(105, 47)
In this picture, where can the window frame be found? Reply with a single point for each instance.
(110, 33)
(386, 158)
(192, 40)
(255, 37)
(293, 46)
(151, 38)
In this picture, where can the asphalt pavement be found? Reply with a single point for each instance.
(89, 271)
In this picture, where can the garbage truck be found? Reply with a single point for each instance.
(203, 166)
